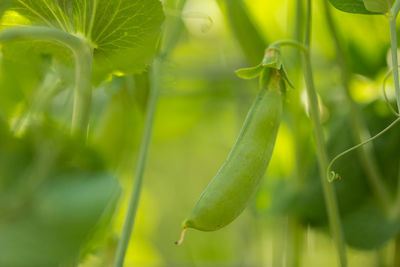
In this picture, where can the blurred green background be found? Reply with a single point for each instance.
(200, 112)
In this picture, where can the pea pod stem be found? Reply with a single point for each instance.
(182, 237)
(301, 47)
(329, 193)
(83, 66)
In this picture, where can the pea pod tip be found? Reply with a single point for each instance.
(182, 238)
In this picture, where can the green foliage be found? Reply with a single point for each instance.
(352, 6)
(120, 122)
(122, 33)
(369, 227)
(16, 88)
(58, 191)
(54, 191)
(378, 6)
(360, 212)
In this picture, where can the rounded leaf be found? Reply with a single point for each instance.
(123, 33)
(351, 6)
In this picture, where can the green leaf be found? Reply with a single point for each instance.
(16, 89)
(55, 193)
(118, 132)
(250, 73)
(351, 6)
(75, 200)
(61, 217)
(368, 228)
(365, 224)
(378, 6)
(123, 33)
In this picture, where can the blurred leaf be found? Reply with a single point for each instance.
(275, 197)
(61, 218)
(16, 89)
(245, 31)
(358, 208)
(123, 33)
(351, 6)
(75, 201)
(378, 6)
(364, 62)
(118, 132)
(54, 192)
(368, 228)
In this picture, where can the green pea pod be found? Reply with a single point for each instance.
(236, 182)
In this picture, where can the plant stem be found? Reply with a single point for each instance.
(396, 8)
(358, 128)
(329, 193)
(295, 44)
(83, 90)
(170, 38)
(395, 62)
(140, 165)
(83, 60)
(297, 118)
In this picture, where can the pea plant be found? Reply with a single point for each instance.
(229, 192)
(63, 62)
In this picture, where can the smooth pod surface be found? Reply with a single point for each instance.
(236, 182)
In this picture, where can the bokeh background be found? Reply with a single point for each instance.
(200, 112)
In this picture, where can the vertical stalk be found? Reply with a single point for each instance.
(395, 8)
(170, 39)
(299, 21)
(140, 165)
(297, 118)
(295, 107)
(358, 128)
(329, 193)
(395, 61)
(83, 90)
